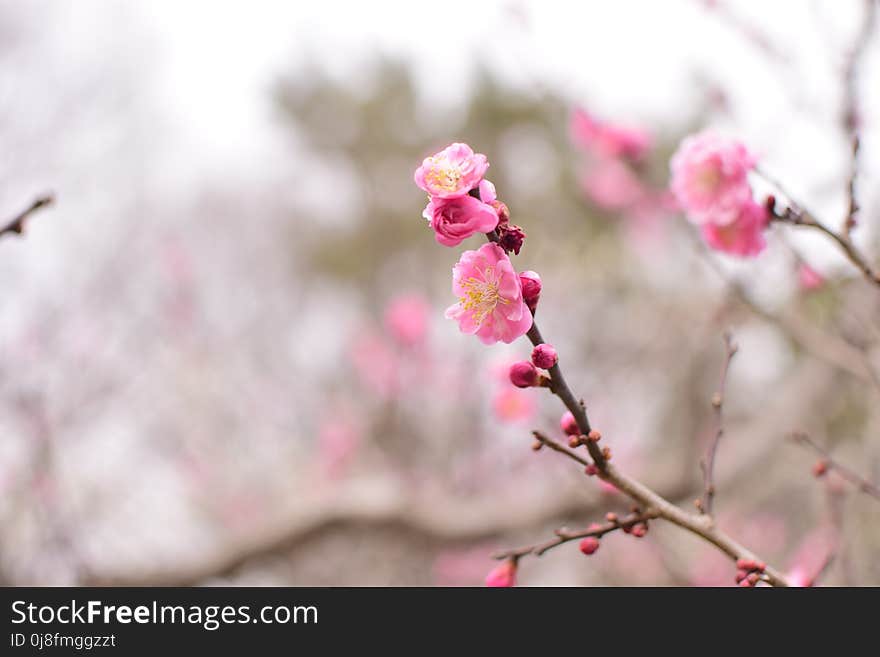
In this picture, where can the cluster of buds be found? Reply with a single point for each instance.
(526, 374)
(749, 572)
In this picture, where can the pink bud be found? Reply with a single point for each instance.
(568, 424)
(544, 356)
(820, 468)
(531, 288)
(591, 470)
(524, 375)
(639, 530)
(589, 545)
(503, 575)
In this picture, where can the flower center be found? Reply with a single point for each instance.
(444, 175)
(482, 295)
(708, 180)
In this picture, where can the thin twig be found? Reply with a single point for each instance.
(795, 214)
(844, 471)
(17, 224)
(708, 463)
(565, 536)
(851, 111)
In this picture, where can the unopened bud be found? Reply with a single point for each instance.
(524, 375)
(531, 288)
(589, 545)
(544, 356)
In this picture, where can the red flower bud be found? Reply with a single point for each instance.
(589, 545)
(531, 288)
(524, 375)
(568, 424)
(544, 356)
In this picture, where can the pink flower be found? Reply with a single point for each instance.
(612, 185)
(503, 575)
(710, 178)
(606, 139)
(456, 219)
(490, 302)
(406, 319)
(744, 236)
(452, 172)
(512, 405)
(808, 278)
(338, 441)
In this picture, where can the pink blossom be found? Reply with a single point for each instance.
(744, 236)
(490, 302)
(513, 405)
(406, 319)
(456, 219)
(503, 575)
(487, 192)
(452, 172)
(612, 185)
(607, 139)
(338, 440)
(808, 278)
(710, 178)
(376, 363)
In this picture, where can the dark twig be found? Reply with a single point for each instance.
(851, 111)
(795, 214)
(708, 463)
(17, 224)
(565, 536)
(828, 463)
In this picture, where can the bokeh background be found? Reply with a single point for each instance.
(223, 358)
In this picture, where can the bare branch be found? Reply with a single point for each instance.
(828, 463)
(708, 463)
(17, 224)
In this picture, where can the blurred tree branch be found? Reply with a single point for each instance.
(16, 225)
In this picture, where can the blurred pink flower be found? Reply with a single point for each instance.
(406, 319)
(456, 219)
(606, 139)
(452, 172)
(811, 555)
(612, 185)
(490, 302)
(513, 405)
(744, 236)
(808, 278)
(710, 178)
(376, 363)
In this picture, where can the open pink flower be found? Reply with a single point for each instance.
(452, 172)
(744, 236)
(456, 219)
(490, 302)
(710, 178)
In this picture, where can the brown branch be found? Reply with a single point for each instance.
(651, 502)
(847, 473)
(17, 224)
(851, 118)
(796, 214)
(564, 536)
(708, 463)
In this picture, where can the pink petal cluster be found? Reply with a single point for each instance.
(607, 139)
(456, 219)
(710, 178)
(744, 236)
(490, 304)
(513, 405)
(452, 172)
(710, 183)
